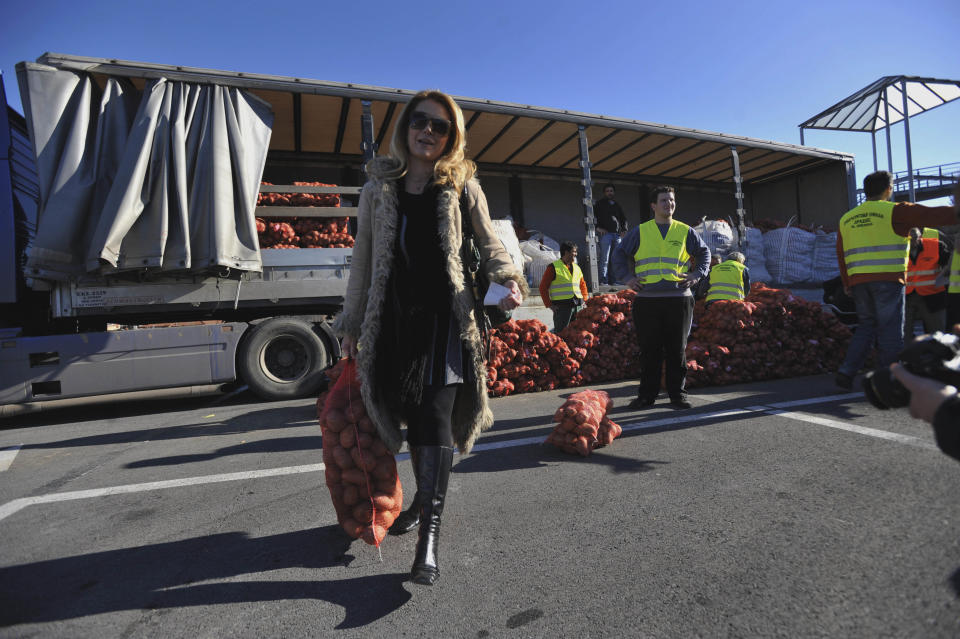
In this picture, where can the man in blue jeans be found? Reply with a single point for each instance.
(872, 250)
(611, 226)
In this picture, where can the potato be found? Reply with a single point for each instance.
(373, 535)
(364, 440)
(355, 411)
(365, 424)
(386, 468)
(335, 420)
(382, 501)
(355, 476)
(332, 474)
(379, 449)
(342, 458)
(351, 495)
(352, 527)
(363, 512)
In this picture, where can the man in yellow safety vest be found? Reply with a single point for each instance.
(872, 251)
(730, 279)
(562, 287)
(654, 259)
(953, 285)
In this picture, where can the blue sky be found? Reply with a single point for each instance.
(756, 69)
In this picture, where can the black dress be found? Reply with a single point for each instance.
(420, 347)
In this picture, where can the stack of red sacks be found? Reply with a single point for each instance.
(582, 423)
(361, 472)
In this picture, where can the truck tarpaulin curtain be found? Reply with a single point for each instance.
(164, 178)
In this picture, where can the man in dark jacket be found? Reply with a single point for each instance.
(611, 226)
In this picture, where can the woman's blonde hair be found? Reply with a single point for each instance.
(453, 168)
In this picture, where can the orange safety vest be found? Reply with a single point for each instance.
(922, 274)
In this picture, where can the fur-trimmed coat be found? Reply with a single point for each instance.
(377, 223)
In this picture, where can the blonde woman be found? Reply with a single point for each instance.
(408, 316)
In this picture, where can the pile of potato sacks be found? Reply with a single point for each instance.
(772, 334)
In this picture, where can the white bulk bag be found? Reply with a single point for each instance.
(508, 237)
(789, 255)
(756, 262)
(718, 235)
(825, 265)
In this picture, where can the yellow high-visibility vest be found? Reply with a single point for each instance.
(726, 281)
(566, 284)
(659, 257)
(869, 243)
(931, 234)
(955, 272)
(922, 274)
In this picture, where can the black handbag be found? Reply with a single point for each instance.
(476, 278)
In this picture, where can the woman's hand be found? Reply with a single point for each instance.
(926, 395)
(514, 299)
(348, 346)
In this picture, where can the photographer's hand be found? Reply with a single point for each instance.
(926, 394)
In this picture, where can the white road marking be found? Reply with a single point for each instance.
(773, 409)
(7, 455)
(684, 419)
(816, 400)
(18, 504)
(853, 428)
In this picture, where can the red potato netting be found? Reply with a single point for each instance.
(361, 472)
(772, 334)
(582, 423)
(302, 232)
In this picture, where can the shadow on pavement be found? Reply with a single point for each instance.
(269, 418)
(127, 407)
(161, 576)
(536, 456)
(272, 445)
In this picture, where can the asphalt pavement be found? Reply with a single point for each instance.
(788, 508)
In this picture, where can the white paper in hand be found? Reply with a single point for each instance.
(495, 293)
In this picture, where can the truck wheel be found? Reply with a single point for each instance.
(282, 358)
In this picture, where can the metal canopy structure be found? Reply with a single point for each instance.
(882, 104)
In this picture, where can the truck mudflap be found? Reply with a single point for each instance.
(86, 364)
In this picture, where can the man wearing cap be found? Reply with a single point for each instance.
(562, 287)
(730, 279)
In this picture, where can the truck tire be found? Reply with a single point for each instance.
(282, 358)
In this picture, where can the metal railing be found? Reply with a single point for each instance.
(942, 177)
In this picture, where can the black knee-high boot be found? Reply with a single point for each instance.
(409, 518)
(433, 470)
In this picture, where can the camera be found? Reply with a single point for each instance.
(936, 356)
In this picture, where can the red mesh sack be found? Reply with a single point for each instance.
(582, 423)
(360, 470)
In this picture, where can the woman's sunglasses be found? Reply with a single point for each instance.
(419, 121)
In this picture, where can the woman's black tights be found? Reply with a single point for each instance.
(430, 423)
